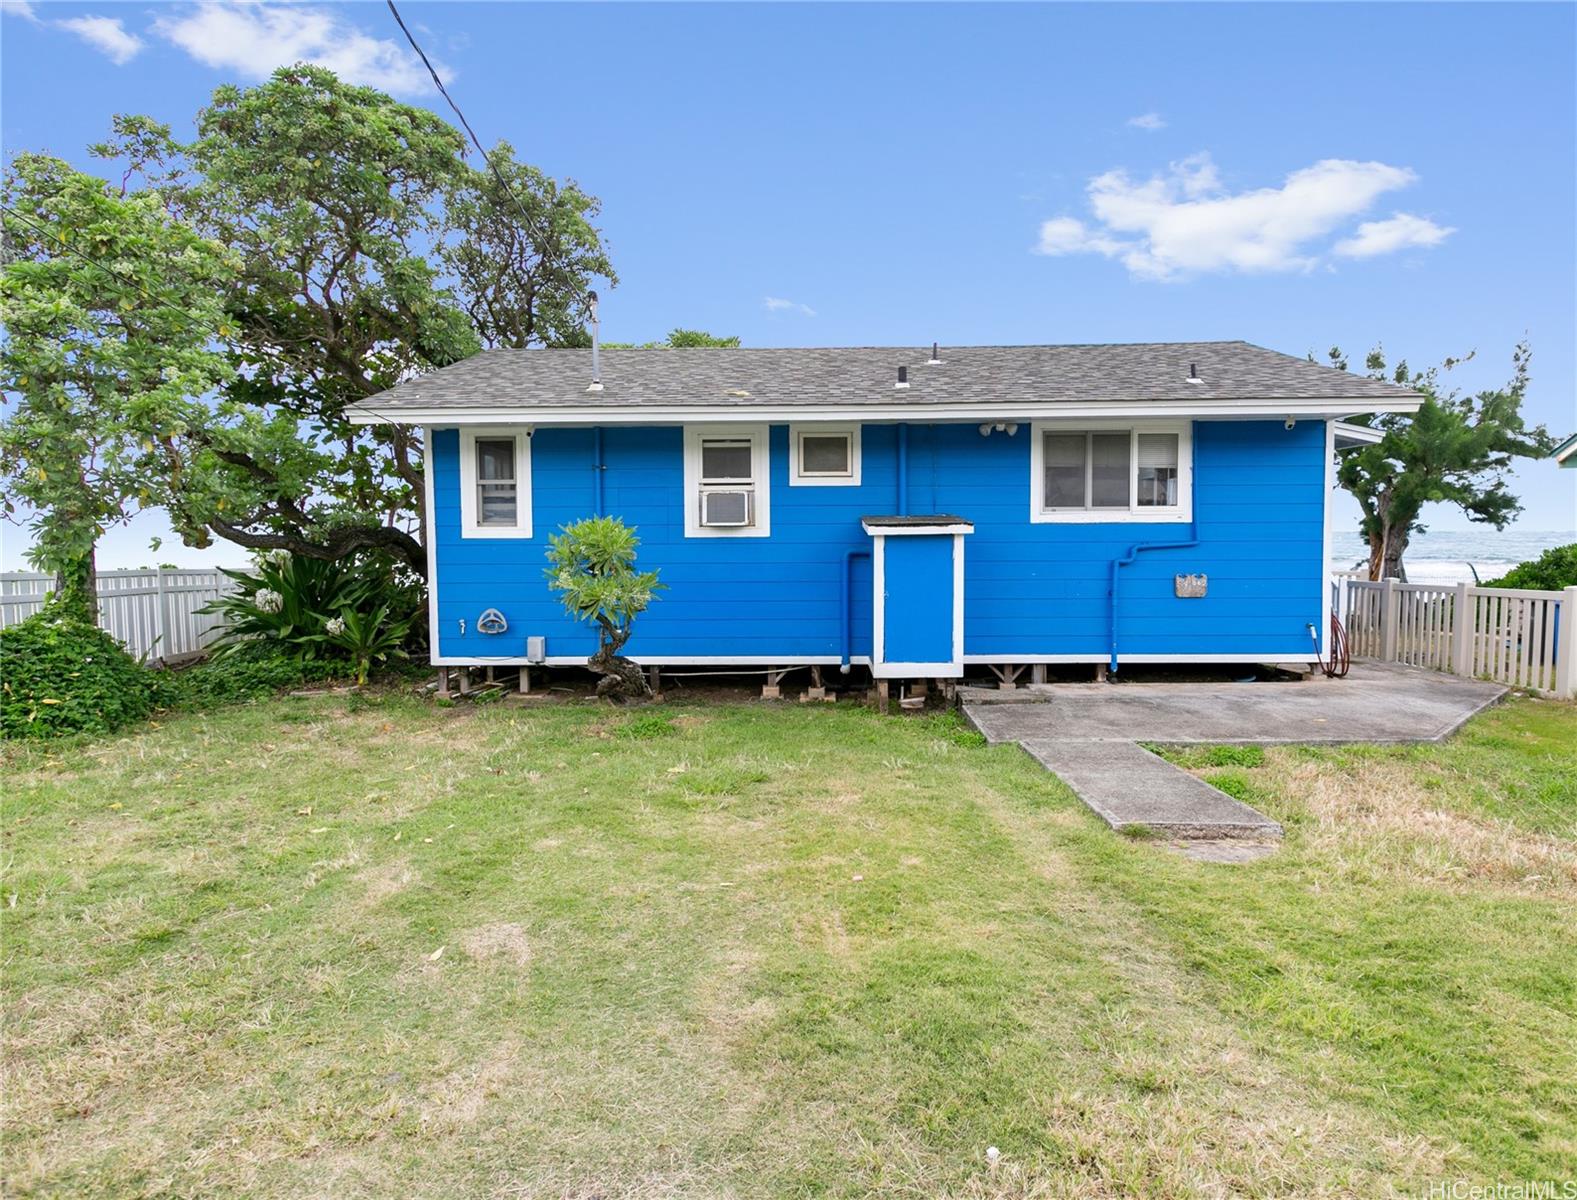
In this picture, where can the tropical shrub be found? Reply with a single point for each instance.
(358, 611)
(61, 674)
(1551, 571)
(368, 638)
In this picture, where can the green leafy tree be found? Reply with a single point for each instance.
(680, 339)
(1553, 570)
(370, 250)
(111, 307)
(1457, 449)
(593, 570)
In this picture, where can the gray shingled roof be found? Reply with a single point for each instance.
(854, 376)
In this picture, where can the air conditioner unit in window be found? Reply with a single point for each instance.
(727, 508)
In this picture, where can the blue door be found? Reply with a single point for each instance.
(918, 573)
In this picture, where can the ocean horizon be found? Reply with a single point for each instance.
(1455, 555)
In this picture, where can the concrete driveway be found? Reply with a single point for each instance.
(1377, 702)
(1088, 733)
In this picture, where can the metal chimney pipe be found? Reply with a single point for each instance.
(596, 361)
(903, 377)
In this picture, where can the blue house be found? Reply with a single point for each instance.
(915, 512)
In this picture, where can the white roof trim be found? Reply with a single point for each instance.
(1349, 437)
(673, 414)
(1566, 452)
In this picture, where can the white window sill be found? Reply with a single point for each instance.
(496, 531)
(1114, 516)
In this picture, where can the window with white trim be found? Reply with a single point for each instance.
(824, 455)
(1111, 473)
(727, 490)
(495, 483)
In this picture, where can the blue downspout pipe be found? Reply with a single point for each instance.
(903, 470)
(1134, 552)
(845, 604)
(597, 469)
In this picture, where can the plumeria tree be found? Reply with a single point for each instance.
(593, 570)
(113, 312)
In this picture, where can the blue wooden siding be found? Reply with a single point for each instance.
(918, 613)
(1030, 589)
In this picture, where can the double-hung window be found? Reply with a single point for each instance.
(1111, 473)
(726, 484)
(495, 483)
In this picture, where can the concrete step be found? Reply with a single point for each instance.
(1126, 786)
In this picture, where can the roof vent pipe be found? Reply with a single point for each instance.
(936, 358)
(596, 363)
(1193, 374)
(903, 378)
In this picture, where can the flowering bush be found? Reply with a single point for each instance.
(313, 610)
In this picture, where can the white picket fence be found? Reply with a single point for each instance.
(1526, 639)
(153, 613)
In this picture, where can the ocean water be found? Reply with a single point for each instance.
(1452, 556)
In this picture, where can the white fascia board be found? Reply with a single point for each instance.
(673, 414)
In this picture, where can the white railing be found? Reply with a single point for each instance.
(1527, 639)
(153, 613)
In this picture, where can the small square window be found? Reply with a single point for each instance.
(826, 455)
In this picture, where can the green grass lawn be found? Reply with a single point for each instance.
(362, 946)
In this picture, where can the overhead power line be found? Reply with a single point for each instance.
(542, 240)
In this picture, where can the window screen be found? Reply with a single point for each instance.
(495, 481)
(824, 454)
(726, 460)
(1109, 470)
(1065, 473)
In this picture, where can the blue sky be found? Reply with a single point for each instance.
(1296, 176)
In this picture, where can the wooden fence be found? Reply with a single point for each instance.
(1523, 638)
(153, 613)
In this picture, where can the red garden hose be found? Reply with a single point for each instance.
(1341, 656)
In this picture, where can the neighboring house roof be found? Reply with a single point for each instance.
(1350, 437)
(1566, 452)
(550, 386)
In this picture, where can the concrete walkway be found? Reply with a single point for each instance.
(1126, 785)
(1085, 734)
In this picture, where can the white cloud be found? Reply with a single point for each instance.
(20, 8)
(1185, 222)
(778, 304)
(105, 34)
(1150, 121)
(1401, 232)
(255, 38)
